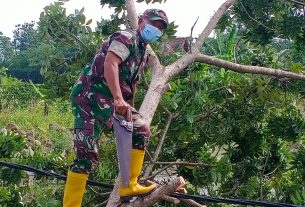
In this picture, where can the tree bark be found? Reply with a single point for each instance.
(248, 68)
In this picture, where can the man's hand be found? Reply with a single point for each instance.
(122, 108)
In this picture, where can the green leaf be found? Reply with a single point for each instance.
(297, 68)
(82, 19)
(190, 167)
(214, 176)
(89, 29)
(89, 22)
(41, 16)
(83, 29)
(299, 198)
(60, 3)
(294, 200)
(222, 72)
(82, 10)
(37, 90)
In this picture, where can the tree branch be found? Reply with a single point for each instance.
(262, 173)
(187, 59)
(191, 37)
(158, 172)
(212, 24)
(170, 164)
(98, 193)
(258, 22)
(114, 198)
(162, 75)
(161, 193)
(248, 68)
(102, 204)
(296, 2)
(65, 43)
(73, 36)
(131, 13)
(184, 164)
(192, 203)
(149, 168)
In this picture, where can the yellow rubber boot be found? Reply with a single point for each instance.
(74, 189)
(135, 189)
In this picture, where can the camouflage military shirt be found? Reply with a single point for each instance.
(90, 94)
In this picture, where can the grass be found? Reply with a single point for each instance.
(32, 118)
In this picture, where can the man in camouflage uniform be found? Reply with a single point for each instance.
(102, 96)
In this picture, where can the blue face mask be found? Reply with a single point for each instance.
(150, 33)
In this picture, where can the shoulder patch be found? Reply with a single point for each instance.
(119, 49)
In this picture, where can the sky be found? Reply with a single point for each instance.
(183, 13)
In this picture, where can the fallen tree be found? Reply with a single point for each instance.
(163, 74)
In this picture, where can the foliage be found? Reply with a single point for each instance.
(244, 126)
(43, 148)
(49, 147)
(106, 27)
(118, 5)
(248, 129)
(14, 93)
(24, 36)
(262, 21)
(6, 51)
(72, 46)
(10, 143)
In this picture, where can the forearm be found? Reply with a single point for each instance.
(111, 74)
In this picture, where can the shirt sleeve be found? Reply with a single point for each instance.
(120, 44)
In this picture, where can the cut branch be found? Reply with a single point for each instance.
(191, 37)
(248, 68)
(161, 193)
(184, 61)
(158, 172)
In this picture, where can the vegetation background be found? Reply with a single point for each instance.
(245, 132)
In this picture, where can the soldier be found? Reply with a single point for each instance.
(103, 96)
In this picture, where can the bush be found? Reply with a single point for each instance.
(15, 93)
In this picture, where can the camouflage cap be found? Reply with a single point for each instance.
(156, 14)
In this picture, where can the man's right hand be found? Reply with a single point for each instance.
(122, 108)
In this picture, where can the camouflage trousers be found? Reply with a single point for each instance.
(88, 128)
